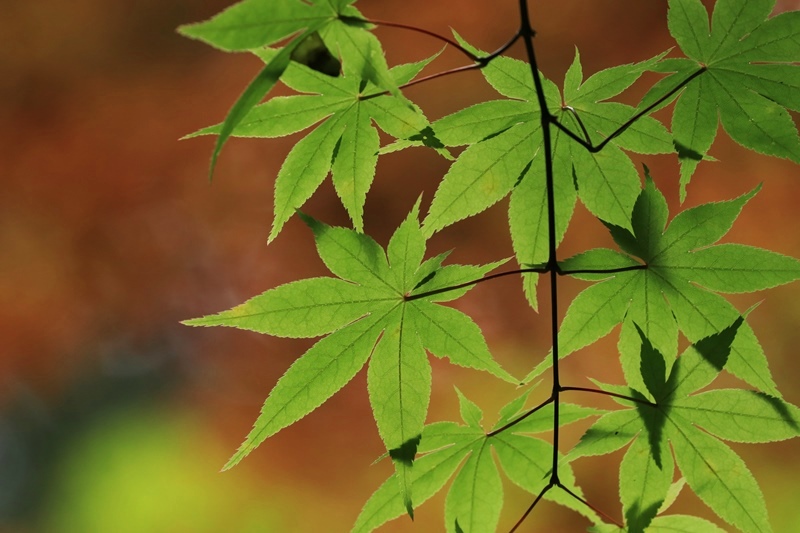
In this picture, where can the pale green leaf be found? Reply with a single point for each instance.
(694, 127)
(282, 115)
(740, 415)
(399, 385)
(609, 433)
(306, 308)
(683, 524)
(482, 175)
(351, 255)
(303, 171)
(481, 121)
(354, 162)
(702, 225)
(774, 40)
(310, 381)
(754, 121)
(608, 184)
(471, 414)
(719, 477)
(528, 463)
(406, 250)
(527, 210)
(446, 332)
(644, 483)
(430, 473)
(475, 499)
(542, 420)
(734, 268)
(594, 312)
(254, 23)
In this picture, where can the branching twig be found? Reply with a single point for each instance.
(619, 131)
(614, 394)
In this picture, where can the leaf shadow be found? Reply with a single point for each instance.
(637, 520)
(406, 452)
(780, 407)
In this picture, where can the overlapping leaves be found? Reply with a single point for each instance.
(475, 498)
(254, 24)
(750, 82)
(711, 469)
(674, 286)
(345, 142)
(378, 306)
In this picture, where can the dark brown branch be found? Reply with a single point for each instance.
(601, 271)
(520, 418)
(614, 394)
(528, 511)
(590, 506)
(616, 133)
(540, 270)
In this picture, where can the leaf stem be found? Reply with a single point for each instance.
(429, 33)
(520, 418)
(528, 511)
(535, 270)
(616, 133)
(577, 118)
(614, 394)
(590, 506)
(479, 61)
(601, 271)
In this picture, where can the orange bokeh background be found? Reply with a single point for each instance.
(114, 417)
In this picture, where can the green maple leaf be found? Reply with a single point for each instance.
(504, 156)
(711, 469)
(251, 25)
(475, 498)
(345, 142)
(378, 308)
(750, 80)
(607, 181)
(680, 271)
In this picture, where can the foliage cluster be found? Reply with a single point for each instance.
(547, 148)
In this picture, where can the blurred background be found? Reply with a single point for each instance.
(115, 418)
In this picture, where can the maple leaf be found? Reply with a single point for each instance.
(749, 82)
(710, 468)
(607, 181)
(475, 498)
(253, 24)
(344, 143)
(674, 286)
(380, 308)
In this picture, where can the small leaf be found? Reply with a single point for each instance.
(471, 414)
(741, 416)
(430, 473)
(643, 483)
(476, 497)
(719, 477)
(312, 379)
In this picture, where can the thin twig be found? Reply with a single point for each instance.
(594, 149)
(590, 506)
(577, 118)
(601, 271)
(540, 270)
(614, 394)
(528, 511)
(429, 33)
(520, 418)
